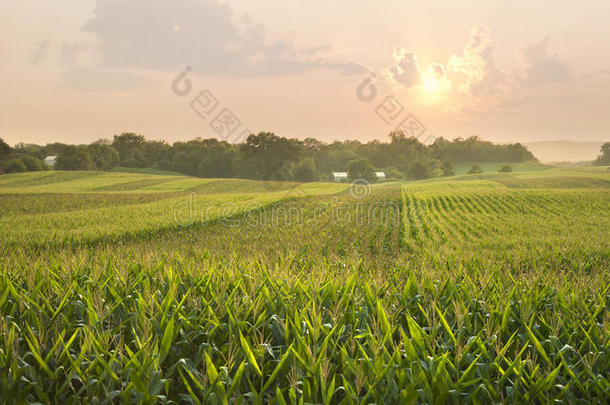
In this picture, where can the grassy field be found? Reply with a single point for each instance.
(463, 168)
(161, 288)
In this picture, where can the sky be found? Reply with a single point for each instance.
(508, 71)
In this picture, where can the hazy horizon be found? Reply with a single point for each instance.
(505, 71)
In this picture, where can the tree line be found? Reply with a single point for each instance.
(604, 157)
(267, 156)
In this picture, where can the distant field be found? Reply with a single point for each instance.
(152, 288)
(493, 167)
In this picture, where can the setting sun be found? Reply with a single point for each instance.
(434, 80)
(430, 84)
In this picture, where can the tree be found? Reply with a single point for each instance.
(102, 141)
(401, 151)
(205, 167)
(361, 169)
(270, 154)
(132, 149)
(506, 169)
(157, 152)
(271, 157)
(104, 156)
(53, 149)
(475, 169)
(183, 162)
(5, 149)
(32, 164)
(435, 167)
(419, 171)
(74, 158)
(604, 157)
(14, 165)
(305, 171)
(447, 168)
(474, 149)
(393, 173)
(312, 146)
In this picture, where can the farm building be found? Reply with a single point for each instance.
(339, 177)
(342, 177)
(50, 160)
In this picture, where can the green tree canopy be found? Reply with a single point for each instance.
(132, 149)
(419, 170)
(447, 168)
(361, 169)
(14, 165)
(475, 169)
(5, 149)
(75, 158)
(604, 157)
(270, 154)
(305, 170)
(105, 157)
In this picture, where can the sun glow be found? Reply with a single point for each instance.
(431, 85)
(434, 81)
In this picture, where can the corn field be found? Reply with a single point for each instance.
(461, 291)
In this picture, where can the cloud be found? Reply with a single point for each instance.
(476, 68)
(435, 79)
(406, 71)
(438, 71)
(169, 34)
(78, 54)
(86, 78)
(541, 67)
(478, 64)
(40, 51)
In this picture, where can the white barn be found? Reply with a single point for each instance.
(339, 177)
(50, 160)
(380, 176)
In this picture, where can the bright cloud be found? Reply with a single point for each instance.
(406, 71)
(477, 63)
(435, 79)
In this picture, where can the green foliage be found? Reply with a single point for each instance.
(104, 157)
(13, 165)
(506, 169)
(305, 170)
(183, 163)
(32, 164)
(476, 149)
(475, 169)
(393, 173)
(132, 149)
(361, 169)
(103, 300)
(270, 155)
(266, 156)
(604, 157)
(218, 156)
(447, 168)
(75, 158)
(435, 167)
(5, 149)
(205, 168)
(16, 163)
(419, 171)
